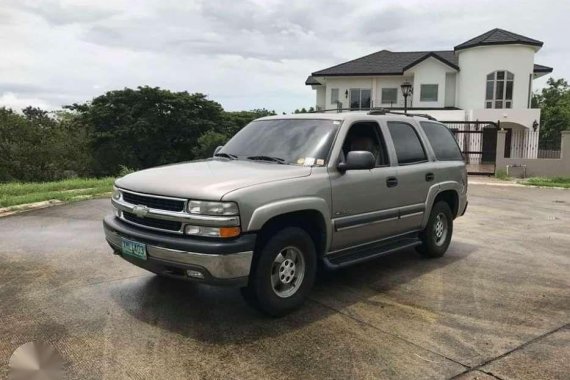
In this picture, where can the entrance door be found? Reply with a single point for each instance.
(489, 145)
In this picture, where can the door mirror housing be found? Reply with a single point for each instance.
(217, 150)
(357, 160)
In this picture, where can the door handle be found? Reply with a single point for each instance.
(391, 181)
(430, 177)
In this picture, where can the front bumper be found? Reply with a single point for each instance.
(219, 262)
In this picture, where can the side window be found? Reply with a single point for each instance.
(334, 95)
(428, 93)
(366, 136)
(442, 141)
(409, 148)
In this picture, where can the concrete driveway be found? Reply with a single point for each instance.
(497, 305)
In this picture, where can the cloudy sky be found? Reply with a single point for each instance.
(243, 54)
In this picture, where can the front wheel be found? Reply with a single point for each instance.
(437, 234)
(283, 272)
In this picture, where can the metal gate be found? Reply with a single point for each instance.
(478, 143)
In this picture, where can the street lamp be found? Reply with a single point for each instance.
(407, 90)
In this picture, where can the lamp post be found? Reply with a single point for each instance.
(407, 90)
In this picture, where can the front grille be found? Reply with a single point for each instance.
(152, 202)
(154, 223)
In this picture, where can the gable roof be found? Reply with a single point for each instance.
(386, 62)
(498, 37)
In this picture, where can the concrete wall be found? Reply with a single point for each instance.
(535, 167)
(475, 63)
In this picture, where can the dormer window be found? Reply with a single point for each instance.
(499, 93)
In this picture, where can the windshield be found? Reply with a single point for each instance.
(288, 141)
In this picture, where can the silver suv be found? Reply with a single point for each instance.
(290, 194)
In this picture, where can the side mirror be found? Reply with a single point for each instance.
(217, 150)
(357, 160)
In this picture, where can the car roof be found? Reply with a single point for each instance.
(348, 116)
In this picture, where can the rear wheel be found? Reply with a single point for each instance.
(282, 273)
(437, 234)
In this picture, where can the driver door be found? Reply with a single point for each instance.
(364, 202)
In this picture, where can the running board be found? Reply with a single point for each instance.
(369, 251)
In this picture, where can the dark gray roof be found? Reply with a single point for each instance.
(387, 62)
(498, 37)
(312, 81)
(542, 69)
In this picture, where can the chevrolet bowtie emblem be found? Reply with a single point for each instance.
(140, 211)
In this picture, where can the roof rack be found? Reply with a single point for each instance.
(376, 111)
(384, 111)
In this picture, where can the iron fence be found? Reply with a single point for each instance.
(529, 144)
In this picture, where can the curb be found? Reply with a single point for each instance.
(12, 210)
(516, 185)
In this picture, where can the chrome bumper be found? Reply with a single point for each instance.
(216, 268)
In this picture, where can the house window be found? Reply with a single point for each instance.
(499, 90)
(360, 98)
(428, 92)
(334, 95)
(389, 96)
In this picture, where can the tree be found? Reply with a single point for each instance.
(554, 102)
(147, 126)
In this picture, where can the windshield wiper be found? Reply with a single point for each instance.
(226, 155)
(267, 158)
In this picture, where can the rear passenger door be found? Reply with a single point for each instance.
(415, 173)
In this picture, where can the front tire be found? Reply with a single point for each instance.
(283, 272)
(437, 234)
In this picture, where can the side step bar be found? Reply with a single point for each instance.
(356, 255)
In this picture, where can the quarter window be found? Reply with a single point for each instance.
(442, 141)
(499, 89)
(334, 95)
(428, 92)
(360, 98)
(409, 148)
(389, 96)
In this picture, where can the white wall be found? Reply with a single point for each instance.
(321, 94)
(476, 63)
(343, 84)
(430, 71)
(450, 84)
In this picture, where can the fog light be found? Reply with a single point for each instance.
(194, 273)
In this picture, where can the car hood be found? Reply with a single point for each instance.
(207, 179)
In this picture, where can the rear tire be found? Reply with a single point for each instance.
(437, 234)
(282, 273)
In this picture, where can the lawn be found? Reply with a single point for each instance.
(17, 193)
(549, 182)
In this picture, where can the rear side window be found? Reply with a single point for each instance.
(442, 141)
(409, 149)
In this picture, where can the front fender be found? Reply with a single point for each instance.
(263, 214)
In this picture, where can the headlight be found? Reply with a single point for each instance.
(212, 208)
(116, 194)
(223, 232)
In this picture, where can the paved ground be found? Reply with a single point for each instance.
(497, 305)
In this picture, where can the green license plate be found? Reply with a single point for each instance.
(133, 248)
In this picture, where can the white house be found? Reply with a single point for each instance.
(486, 78)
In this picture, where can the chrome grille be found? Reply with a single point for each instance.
(153, 223)
(154, 202)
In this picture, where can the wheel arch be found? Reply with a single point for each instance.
(447, 192)
(311, 214)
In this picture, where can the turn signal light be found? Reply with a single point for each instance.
(227, 232)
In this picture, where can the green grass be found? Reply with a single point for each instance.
(549, 182)
(18, 193)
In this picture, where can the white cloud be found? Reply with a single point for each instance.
(244, 54)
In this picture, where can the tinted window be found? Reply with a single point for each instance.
(409, 149)
(442, 141)
(294, 141)
(366, 136)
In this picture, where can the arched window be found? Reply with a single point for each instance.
(499, 93)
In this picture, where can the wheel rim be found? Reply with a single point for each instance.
(287, 272)
(440, 228)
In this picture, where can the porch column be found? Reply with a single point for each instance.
(500, 163)
(565, 145)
